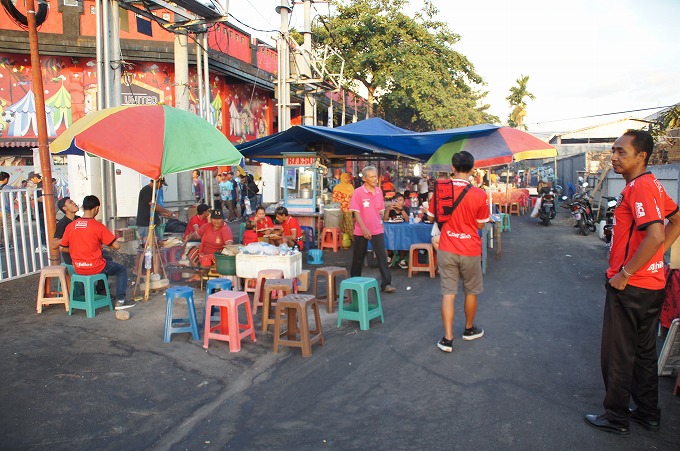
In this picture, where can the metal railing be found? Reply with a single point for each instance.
(23, 240)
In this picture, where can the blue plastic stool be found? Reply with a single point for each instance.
(211, 287)
(359, 310)
(308, 233)
(315, 257)
(88, 299)
(170, 296)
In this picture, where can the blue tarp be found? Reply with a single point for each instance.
(371, 137)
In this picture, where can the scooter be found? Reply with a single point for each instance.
(609, 219)
(547, 210)
(582, 211)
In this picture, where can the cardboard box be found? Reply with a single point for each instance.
(303, 280)
(127, 234)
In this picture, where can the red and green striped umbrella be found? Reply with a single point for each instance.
(154, 140)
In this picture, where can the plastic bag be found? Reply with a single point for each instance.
(249, 210)
(534, 212)
(435, 230)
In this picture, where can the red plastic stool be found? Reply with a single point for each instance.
(414, 266)
(332, 238)
(258, 297)
(229, 329)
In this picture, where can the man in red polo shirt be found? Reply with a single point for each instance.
(83, 239)
(198, 220)
(635, 290)
(292, 232)
(214, 237)
(460, 250)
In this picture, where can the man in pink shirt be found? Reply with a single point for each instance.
(368, 206)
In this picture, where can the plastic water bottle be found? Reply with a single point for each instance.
(147, 259)
(410, 217)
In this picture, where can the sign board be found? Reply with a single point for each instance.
(299, 161)
(669, 358)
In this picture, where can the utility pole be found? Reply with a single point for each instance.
(41, 118)
(283, 89)
(306, 69)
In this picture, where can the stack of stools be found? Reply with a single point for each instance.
(315, 257)
(332, 238)
(414, 266)
(213, 286)
(329, 273)
(91, 300)
(359, 310)
(45, 294)
(258, 297)
(230, 328)
(190, 324)
(281, 287)
(295, 307)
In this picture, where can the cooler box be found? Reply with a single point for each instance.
(247, 266)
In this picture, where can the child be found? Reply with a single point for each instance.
(250, 235)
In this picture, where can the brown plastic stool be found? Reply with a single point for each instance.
(514, 209)
(295, 307)
(330, 273)
(262, 275)
(414, 266)
(45, 294)
(286, 286)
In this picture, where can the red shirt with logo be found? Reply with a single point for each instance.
(195, 220)
(460, 234)
(84, 237)
(213, 240)
(262, 224)
(370, 206)
(288, 225)
(641, 203)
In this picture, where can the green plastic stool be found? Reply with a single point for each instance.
(71, 272)
(359, 310)
(505, 222)
(90, 301)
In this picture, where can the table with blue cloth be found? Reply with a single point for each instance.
(401, 235)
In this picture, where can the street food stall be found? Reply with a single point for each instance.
(302, 182)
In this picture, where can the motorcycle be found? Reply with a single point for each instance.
(609, 219)
(582, 210)
(547, 210)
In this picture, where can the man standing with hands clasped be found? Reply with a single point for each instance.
(635, 290)
(460, 249)
(368, 206)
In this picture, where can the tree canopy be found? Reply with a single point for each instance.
(414, 77)
(517, 103)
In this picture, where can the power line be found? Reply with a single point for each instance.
(600, 115)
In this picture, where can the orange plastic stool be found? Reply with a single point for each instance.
(414, 266)
(332, 238)
(514, 209)
(229, 329)
(279, 287)
(45, 294)
(295, 307)
(330, 273)
(258, 297)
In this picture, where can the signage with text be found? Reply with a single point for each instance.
(300, 161)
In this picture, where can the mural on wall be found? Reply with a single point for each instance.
(70, 84)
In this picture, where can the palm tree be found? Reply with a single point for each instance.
(516, 100)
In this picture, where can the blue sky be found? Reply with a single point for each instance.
(583, 57)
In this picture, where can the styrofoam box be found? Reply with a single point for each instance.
(247, 266)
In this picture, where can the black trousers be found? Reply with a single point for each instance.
(359, 253)
(628, 354)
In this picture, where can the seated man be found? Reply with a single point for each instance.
(398, 212)
(83, 239)
(291, 233)
(197, 221)
(214, 237)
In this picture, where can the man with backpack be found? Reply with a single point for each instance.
(461, 216)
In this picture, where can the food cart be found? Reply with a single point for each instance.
(302, 187)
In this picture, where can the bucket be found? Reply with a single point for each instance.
(332, 217)
(225, 264)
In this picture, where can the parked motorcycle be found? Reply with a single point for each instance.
(609, 218)
(547, 210)
(582, 210)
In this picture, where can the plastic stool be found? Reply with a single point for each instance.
(211, 287)
(514, 208)
(414, 266)
(505, 222)
(308, 233)
(315, 257)
(90, 301)
(186, 293)
(45, 294)
(286, 286)
(263, 274)
(332, 238)
(229, 328)
(359, 310)
(329, 273)
(295, 307)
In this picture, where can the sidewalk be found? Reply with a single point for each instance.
(70, 382)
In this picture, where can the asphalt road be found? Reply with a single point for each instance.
(78, 383)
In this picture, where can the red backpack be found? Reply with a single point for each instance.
(444, 203)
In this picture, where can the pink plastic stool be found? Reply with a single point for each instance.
(258, 297)
(229, 328)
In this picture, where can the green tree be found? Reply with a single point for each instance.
(413, 76)
(517, 103)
